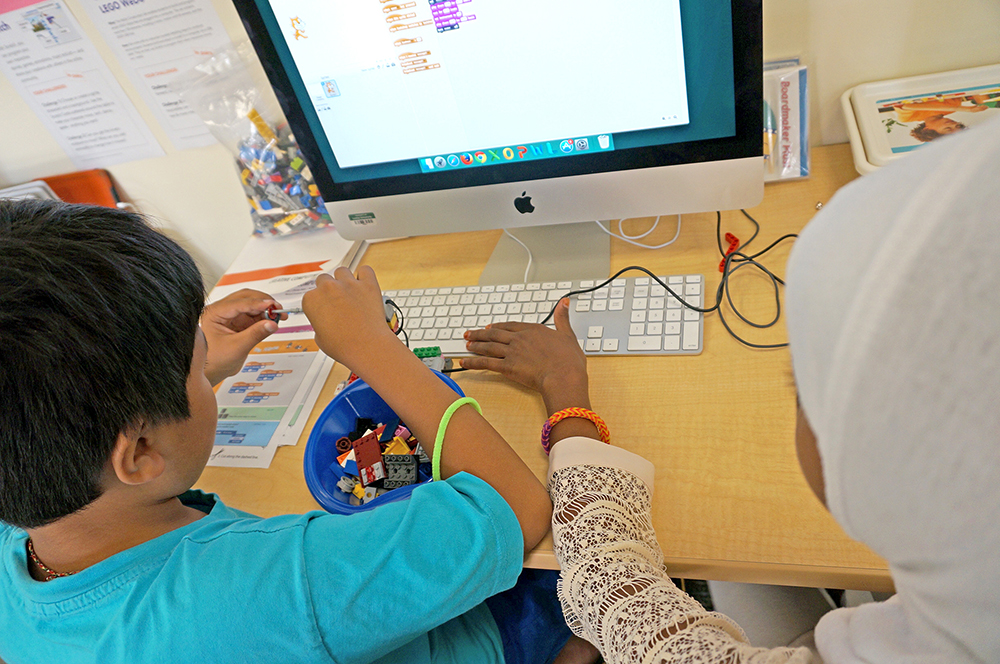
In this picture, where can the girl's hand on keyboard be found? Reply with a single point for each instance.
(549, 361)
(348, 316)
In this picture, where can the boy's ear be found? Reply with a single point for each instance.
(134, 459)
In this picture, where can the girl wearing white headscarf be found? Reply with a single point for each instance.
(893, 306)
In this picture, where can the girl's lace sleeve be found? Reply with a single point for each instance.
(614, 589)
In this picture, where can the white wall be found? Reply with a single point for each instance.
(197, 198)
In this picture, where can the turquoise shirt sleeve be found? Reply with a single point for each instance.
(380, 579)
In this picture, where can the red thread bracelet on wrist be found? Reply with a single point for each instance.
(582, 413)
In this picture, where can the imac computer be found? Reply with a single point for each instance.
(432, 116)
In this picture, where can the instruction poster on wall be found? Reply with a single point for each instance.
(60, 75)
(156, 41)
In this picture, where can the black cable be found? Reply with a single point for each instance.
(733, 261)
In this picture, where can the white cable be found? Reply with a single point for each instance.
(528, 267)
(626, 236)
(639, 244)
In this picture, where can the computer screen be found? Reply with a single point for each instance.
(431, 116)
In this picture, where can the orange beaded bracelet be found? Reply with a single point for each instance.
(583, 413)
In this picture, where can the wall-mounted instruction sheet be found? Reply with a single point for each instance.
(69, 87)
(155, 41)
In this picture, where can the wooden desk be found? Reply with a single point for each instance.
(729, 502)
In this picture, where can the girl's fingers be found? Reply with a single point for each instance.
(495, 334)
(487, 363)
(487, 349)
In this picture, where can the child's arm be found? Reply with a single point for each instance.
(546, 360)
(232, 327)
(349, 318)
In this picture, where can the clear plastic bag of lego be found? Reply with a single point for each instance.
(234, 100)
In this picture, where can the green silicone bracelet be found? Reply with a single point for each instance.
(442, 427)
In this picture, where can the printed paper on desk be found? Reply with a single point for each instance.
(286, 284)
(267, 403)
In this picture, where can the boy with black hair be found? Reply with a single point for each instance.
(109, 418)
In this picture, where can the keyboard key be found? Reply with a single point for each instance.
(455, 310)
(452, 299)
(509, 297)
(599, 305)
(484, 321)
(458, 289)
(564, 285)
(530, 318)
(610, 346)
(417, 291)
(539, 296)
(555, 296)
(692, 289)
(618, 291)
(616, 305)
(691, 332)
(691, 314)
(643, 343)
(595, 331)
(469, 310)
(654, 328)
(638, 316)
(441, 311)
(481, 298)
(655, 316)
(403, 293)
(430, 335)
(529, 307)
(416, 335)
(487, 289)
(444, 291)
(592, 345)
(524, 296)
(656, 302)
(601, 293)
(440, 322)
(499, 309)
(456, 334)
(467, 298)
(640, 291)
(532, 287)
(618, 282)
(692, 278)
(672, 342)
(469, 322)
(514, 308)
(495, 298)
(427, 322)
(513, 318)
(426, 300)
(453, 347)
(412, 301)
(455, 321)
(587, 283)
(548, 285)
(642, 281)
(438, 300)
(636, 330)
(503, 289)
(430, 291)
(672, 328)
(657, 291)
(427, 311)
(484, 310)
(638, 303)
(583, 305)
(517, 287)
(672, 315)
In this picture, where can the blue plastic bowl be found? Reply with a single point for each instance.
(337, 420)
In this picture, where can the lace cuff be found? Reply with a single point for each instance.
(614, 589)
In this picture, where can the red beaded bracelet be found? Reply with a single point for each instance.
(583, 413)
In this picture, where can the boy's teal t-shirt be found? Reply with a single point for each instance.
(404, 582)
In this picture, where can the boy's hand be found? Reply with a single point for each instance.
(546, 360)
(348, 316)
(232, 327)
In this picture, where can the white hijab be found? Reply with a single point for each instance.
(893, 305)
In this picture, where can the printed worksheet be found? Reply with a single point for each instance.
(156, 41)
(266, 404)
(60, 75)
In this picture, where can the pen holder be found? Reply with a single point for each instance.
(320, 465)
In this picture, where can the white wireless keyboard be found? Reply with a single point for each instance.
(629, 316)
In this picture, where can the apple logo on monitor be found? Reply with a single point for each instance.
(523, 203)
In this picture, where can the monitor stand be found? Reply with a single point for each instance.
(561, 252)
